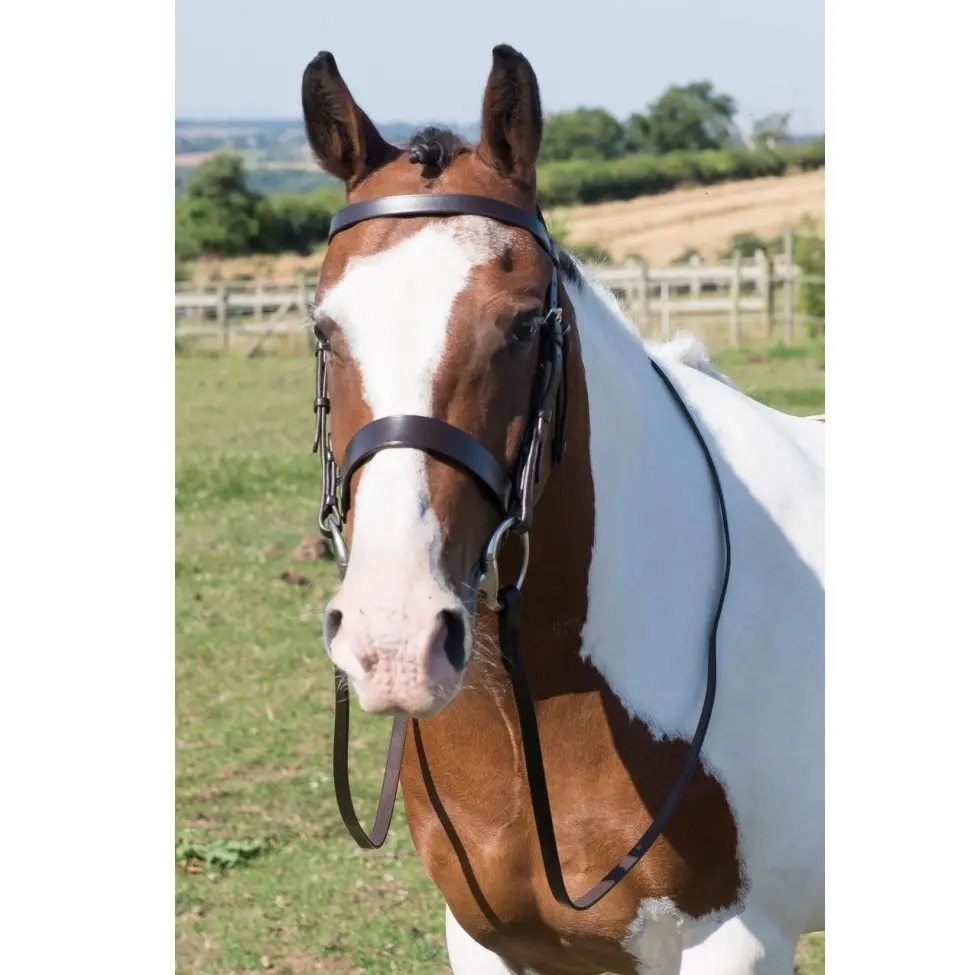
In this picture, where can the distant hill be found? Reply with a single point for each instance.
(275, 151)
(280, 138)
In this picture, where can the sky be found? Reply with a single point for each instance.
(428, 60)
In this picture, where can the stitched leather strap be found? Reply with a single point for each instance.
(442, 205)
(435, 437)
(340, 772)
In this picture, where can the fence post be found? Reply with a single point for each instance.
(222, 315)
(789, 289)
(695, 262)
(735, 288)
(763, 286)
(259, 301)
(643, 296)
(303, 309)
(665, 310)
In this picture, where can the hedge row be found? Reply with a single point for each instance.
(247, 222)
(264, 225)
(597, 181)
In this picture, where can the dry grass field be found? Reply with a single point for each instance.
(661, 228)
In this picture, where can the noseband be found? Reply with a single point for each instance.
(513, 495)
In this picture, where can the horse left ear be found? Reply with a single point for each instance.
(511, 117)
(342, 136)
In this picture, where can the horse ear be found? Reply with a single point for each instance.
(341, 135)
(511, 116)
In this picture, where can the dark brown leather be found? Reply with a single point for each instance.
(433, 436)
(340, 772)
(442, 205)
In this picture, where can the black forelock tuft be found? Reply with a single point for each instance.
(435, 149)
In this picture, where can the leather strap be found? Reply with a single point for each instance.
(442, 205)
(510, 646)
(340, 772)
(433, 436)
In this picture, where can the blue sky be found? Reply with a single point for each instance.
(428, 60)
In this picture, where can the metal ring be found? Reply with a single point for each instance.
(489, 584)
(338, 543)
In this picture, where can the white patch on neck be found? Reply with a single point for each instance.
(655, 570)
(394, 308)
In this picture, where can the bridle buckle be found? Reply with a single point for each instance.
(489, 584)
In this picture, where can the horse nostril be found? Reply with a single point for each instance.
(453, 637)
(333, 620)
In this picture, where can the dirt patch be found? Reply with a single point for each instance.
(296, 579)
(310, 549)
(294, 961)
(259, 773)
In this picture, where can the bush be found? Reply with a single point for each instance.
(577, 181)
(220, 215)
(294, 223)
(809, 257)
(748, 243)
(206, 226)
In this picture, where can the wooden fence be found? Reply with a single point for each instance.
(731, 302)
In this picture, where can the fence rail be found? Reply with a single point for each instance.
(759, 289)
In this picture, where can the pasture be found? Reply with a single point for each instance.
(267, 879)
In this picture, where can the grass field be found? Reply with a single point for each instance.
(267, 878)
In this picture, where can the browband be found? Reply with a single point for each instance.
(441, 205)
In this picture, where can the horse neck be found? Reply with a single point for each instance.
(605, 358)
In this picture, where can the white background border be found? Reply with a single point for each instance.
(86, 379)
(86, 690)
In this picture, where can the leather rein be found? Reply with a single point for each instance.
(513, 495)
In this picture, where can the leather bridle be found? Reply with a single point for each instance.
(513, 495)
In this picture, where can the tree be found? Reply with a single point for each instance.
(686, 118)
(294, 223)
(218, 214)
(585, 133)
(773, 130)
(222, 179)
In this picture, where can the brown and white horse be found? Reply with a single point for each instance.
(439, 317)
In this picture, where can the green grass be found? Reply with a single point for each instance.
(266, 877)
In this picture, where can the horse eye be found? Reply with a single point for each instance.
(525, 326)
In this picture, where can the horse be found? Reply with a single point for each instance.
(655, 494)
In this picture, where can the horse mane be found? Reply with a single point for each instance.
(682, 348)
(689, 350)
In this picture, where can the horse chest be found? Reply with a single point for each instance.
(470, 819)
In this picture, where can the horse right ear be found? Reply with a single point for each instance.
(344, 140)
(511, 116)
